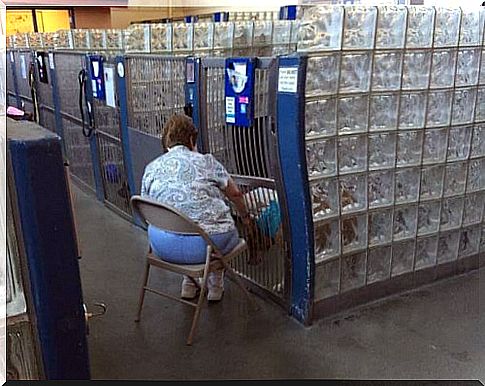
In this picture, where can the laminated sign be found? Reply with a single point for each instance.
(239, 91)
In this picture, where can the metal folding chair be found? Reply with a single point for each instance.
(171, 220)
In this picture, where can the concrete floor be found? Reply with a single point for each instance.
(430, 333)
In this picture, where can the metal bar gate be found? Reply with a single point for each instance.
(250, 155)
(154, 92)
(77, 147)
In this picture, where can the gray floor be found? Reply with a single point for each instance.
(430, 333)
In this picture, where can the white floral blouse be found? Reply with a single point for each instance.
(190, 182)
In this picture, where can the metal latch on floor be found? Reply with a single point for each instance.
(89, 315)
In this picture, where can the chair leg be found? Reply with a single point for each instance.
(239, 282)
(201, 298)
(142, 292)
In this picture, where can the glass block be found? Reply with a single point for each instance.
(416, 70)
(360, 27)
(378, 264)
(353, 193)
(434, 149)
(469, 241)
(381, 189)
(63, 40)
(183, 36)
(263, 30)
(353, 114)
(383, 112)
(204, 36)
(356, 68)
(281, 32)
(426, 252)
(223, 35)
(478, 141)
(327, 239)
(473, 208)
(327, 279)
(98, 40)
(443, 69)
(243, 34)
(402, 257)
(81, 39)
(447, 31)
(391, 27)
(35, 40)
(412, 109)
(480, 110)
(114, 39)
(161, 37)
(455, 179)
(405, 220)
(470, 31)
(439, 108)
(354, 233)
(380, 227)
(467, 67)
(387, 71)
(382, 151)
(407, 185)
(353, 272)
(321, 159)
(432, 181)
(136, 38)
(464, 106)
(476, 175)
(352, 154)
(409, 148)
(321, 117)
(448, 246)
(459, 143)
(451, 213)
(428, 217)
(420, 26)
(324, 198)
(320, 28)
(322, 75)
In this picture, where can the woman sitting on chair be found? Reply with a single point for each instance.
(196, 185)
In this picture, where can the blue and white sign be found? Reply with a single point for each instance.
(97, 76)
(239, 91)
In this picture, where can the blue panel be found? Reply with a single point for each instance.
(57, 103)
(48, 234)
(291, 147)
(98, 180)
(97, 76)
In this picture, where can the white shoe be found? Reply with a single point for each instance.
(189, 289)
(215, 285)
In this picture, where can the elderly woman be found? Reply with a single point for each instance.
(199, 186)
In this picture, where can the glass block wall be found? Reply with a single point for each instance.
(395, 139)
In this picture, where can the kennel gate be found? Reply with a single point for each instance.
(250, 156)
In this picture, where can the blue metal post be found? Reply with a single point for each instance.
(93, 143)
(46, 223)
(292, 155)
(192, 94)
